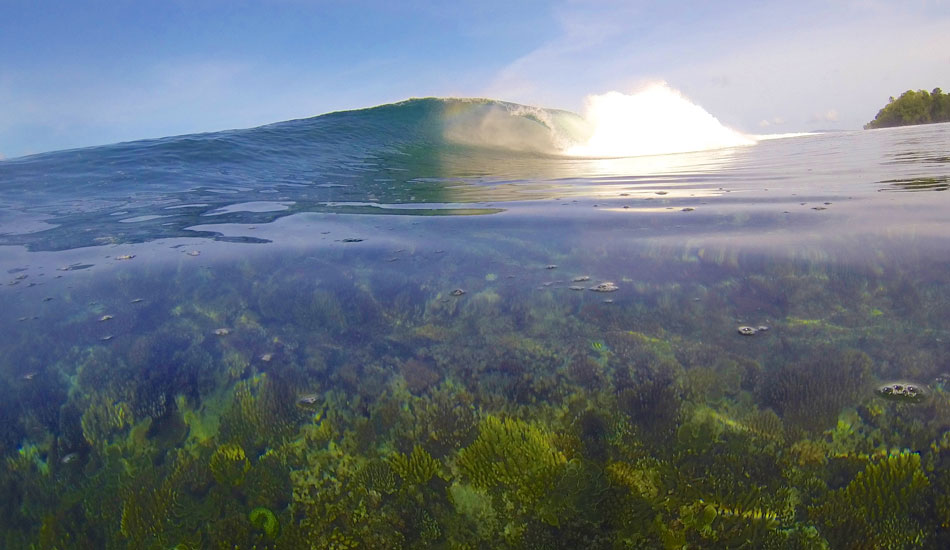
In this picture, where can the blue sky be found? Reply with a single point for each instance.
(78, 73)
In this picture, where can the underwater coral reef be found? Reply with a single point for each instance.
(351, 408)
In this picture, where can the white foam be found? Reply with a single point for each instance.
(766, 137)
(654, 121)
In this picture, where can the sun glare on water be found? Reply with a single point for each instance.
(654, 121)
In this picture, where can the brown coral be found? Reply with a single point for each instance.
(810, 394)
(419, 375)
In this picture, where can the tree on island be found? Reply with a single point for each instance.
(913, 107)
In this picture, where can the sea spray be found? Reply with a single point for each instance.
(654, 121)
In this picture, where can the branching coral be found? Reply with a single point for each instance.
(512, 455)
(447, 421)
(642, 480)
(727, 526)
(648, 382)
(475, 508)
(143, 517)
(229, 465)
(578, 496)
(264, 410)
(154, 510)
(810, 394)
(882, 505)
(104, 418)
(416, 468)
(268, 481)
(378, 476)
(340, 541)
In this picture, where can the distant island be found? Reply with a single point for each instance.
(912, 107)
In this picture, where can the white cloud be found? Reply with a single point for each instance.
(774, 121)
(855, 68)
(831, 115)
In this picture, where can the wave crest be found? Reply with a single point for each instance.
(654, 121)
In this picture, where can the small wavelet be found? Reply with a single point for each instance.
(654, 121)
(253, 206)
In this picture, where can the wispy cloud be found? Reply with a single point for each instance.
(774, 121)
(755, 63)
(831, 115)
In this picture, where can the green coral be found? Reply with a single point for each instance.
(512, 455)
(104, 418)
(429, 529)
(641, 480)
(229, 465)
(648, 383)
(264, 520)
(879, 507)
(475, 508)
(446, 420)
(416, 468)
(341, 541)
(730, 525)
(378, 476)
(268, 481)
(154, 502)
(263, 411)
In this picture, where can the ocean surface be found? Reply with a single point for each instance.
(421, 326)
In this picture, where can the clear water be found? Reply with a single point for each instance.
(349, 332)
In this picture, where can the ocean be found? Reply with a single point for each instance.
(422, 325)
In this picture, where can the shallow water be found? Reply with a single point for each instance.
(301, 336)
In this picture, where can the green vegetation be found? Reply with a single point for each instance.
(880, 506)
(389, 414)
(911, 108)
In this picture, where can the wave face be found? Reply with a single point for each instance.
(339, 141)
(406, 153)
(410, 153)
(657, 120)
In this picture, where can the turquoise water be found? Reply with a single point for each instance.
(381, 329)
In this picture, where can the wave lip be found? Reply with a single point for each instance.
(654, 121)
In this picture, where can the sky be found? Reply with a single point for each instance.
(88, 72)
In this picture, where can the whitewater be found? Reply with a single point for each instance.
(656, 120)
